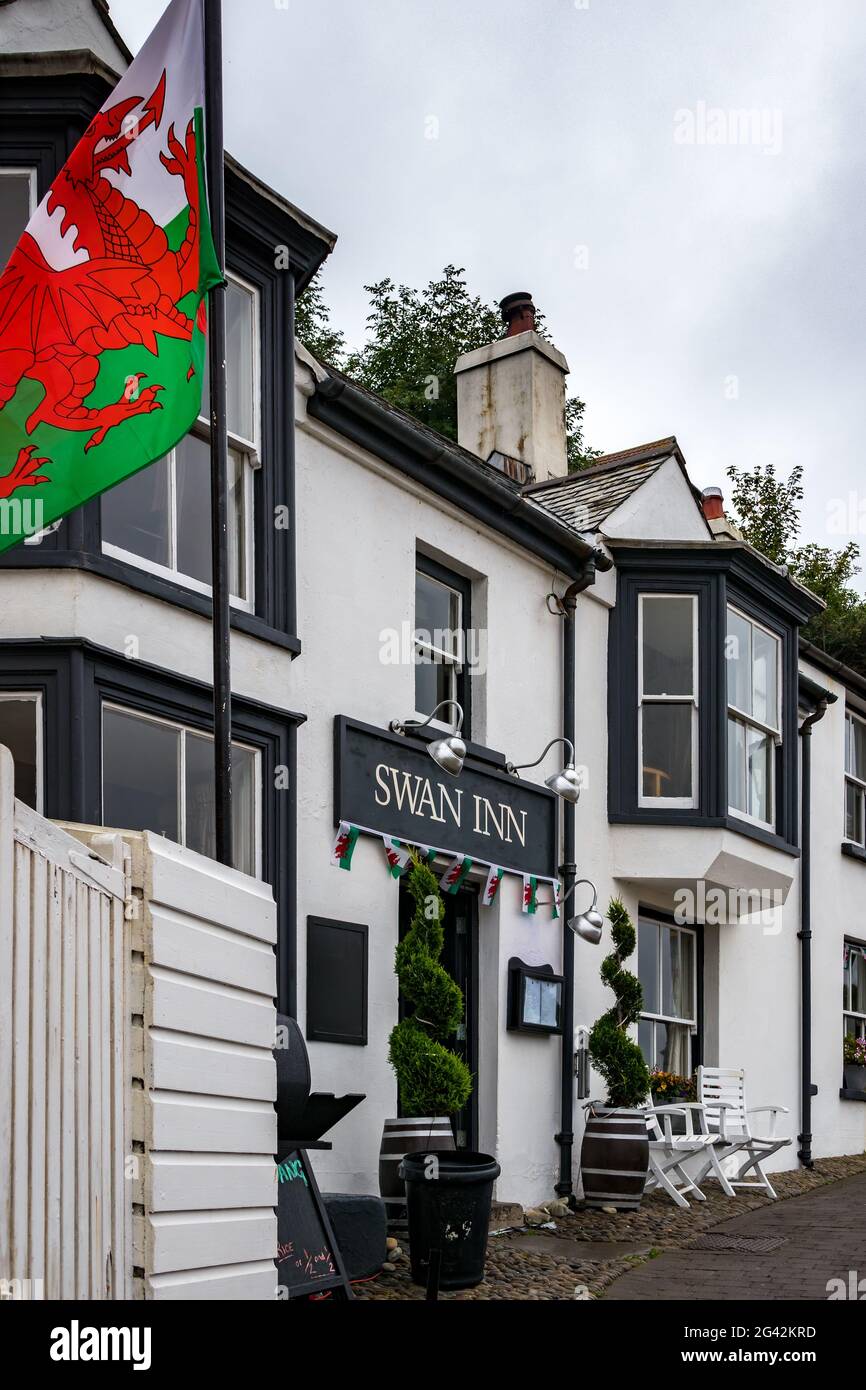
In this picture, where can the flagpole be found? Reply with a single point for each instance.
(222, 694)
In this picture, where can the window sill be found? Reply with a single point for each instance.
(691, 819)
(156, 587)
(757, 832)
(852, 1095)
(854, 851)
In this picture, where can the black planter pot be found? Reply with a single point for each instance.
(855, 1077)
(448, 1197)
(614, 1158)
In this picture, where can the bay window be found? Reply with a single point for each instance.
(752, 656)
(855, 780)
(854, 990)
(667, 969)
(159, 519)
(668, 698)
(21, 733)
(17, 206)
(158, 775)
(702, 692)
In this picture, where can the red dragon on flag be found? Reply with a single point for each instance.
(54, 324)
(97, 289)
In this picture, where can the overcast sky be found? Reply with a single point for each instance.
(702, 272)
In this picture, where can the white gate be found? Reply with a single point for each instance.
(66, 1214)
(202, 1075)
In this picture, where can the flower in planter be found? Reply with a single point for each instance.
(669, 1086)
(854, 1052)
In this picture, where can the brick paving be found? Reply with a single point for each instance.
(825, 1238)
(599, 1254)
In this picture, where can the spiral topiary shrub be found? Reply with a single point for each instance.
(613, 1052)
(433, 1080)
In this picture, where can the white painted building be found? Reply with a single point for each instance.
(105, 666)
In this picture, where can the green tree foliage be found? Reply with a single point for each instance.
(768, 508)
(414, 338)
(768, 513)
(314, 328)
(841, 629)
(433, 1080)
(613, 1052)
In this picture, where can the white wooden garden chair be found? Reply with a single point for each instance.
(722, 1097)
(669, 1151)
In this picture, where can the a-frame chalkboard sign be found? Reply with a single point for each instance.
(308, 1258)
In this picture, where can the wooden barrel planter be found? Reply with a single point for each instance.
(614, 1158)
(400, 1137)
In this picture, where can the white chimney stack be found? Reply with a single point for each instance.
(511, 395)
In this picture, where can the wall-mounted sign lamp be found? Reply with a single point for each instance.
(589, 924)
(565, 782)
(449, 752)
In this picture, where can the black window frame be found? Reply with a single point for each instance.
(856, 848)
(76, 677)
(849, 1013)
(434, 569)
(719, 576)
(314, 1033)
(9, 692)
(667, 919)
(693, 701)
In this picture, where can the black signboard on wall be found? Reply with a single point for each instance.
(389, 783)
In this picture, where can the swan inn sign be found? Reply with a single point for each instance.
(388, 784)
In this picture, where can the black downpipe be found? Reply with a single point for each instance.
(568, 873)
(804, 1139)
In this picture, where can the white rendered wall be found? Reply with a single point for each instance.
(41, 26)
(662, 509)
(838, 910)
(359, 527)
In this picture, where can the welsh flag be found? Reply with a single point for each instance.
(530, 892)
(102, 314)
(344, 845)
(397, 855)
(455, 876)
(491, 887)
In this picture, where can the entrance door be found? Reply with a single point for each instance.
(460, 958)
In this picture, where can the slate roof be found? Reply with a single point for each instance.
(584, 500)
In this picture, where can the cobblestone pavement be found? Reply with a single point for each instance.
(581, 1263)
(825, 1238)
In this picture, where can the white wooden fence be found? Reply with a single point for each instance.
(203, 1076)
(66, 1211)
(137, 1076)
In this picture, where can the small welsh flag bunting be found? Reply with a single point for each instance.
(454, 878)
(530, 893)
(426, 854)
(344, 845)
(491, 887)
(557, 899)
(397, 855)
